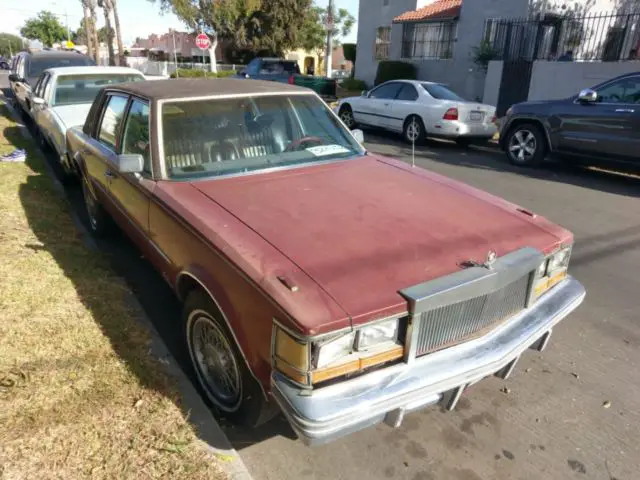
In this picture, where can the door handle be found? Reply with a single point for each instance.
(625, 110)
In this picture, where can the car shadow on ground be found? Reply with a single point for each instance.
(607, 178)
(151, 292)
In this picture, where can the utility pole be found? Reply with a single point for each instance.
(329, 22)
(66, 19)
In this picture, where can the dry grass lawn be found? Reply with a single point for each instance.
(80, 395)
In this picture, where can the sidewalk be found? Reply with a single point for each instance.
(87, 388)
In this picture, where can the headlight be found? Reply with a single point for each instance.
(315, 360)
(377, 334)
(551, 271)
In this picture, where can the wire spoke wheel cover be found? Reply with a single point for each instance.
(215, 361)
(523, 146)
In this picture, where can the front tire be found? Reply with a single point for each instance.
(413, 130)
(346, 115)
(221, 370)
(526, 145)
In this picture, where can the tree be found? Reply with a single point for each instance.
(116, 19)
(82, 35)
(106, 8)
(10, 44)
(269, 26)
(93, 5)
(313, 35)
(87, 26)
(45, 27)
(349, 51)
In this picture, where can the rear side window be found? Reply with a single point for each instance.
(112, 116)
(38, 65)
(407, 93)
(136, 133)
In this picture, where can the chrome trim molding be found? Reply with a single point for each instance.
(334, 411)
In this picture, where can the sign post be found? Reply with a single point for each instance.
(203, 43)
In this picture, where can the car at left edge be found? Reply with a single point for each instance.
(62, 97)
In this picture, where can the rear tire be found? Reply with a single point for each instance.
(221, 370)
(526, 145)
(99, 221)
(413, 130)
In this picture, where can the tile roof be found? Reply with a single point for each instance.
(437, 9)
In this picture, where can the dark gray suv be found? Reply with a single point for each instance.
(601, 123)
(27, 67)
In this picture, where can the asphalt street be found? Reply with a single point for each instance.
(570, 412)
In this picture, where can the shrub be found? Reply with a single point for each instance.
(353, 85)
(189, 73)
(394, 70)
(349, 50)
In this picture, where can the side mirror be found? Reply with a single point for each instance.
(14, 77)
(358, 135)
(38, 100)
(130, 163)
(588, 96)
(246, 75)
(364, 93)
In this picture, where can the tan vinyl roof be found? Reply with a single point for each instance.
(204, 87)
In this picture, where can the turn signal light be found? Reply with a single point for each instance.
(451, 114)
(291, 80)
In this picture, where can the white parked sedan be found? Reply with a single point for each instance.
(62, 97)
(418, 110)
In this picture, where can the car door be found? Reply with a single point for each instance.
(37, 111)
(606, 127)
(131, 192)
(21, 87)
(375, 106)
(99, 152)
(403, 105)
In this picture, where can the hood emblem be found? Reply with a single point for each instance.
(491, 259)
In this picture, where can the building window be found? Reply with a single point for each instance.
(432, 41)
(383, 40)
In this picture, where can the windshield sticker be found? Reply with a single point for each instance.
(322, 150)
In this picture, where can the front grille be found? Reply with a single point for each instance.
(451, 324)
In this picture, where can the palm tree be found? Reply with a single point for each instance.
(88, 30)
(106, 8)
(94, 31)
(116, 18)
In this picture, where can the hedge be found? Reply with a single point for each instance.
(353, 85)
(189, 73)
(394, 70)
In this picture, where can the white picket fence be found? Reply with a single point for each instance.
(149, 67)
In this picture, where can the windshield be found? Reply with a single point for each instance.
(440, 92)
(73, 89)
(38, 65)
(219, 137)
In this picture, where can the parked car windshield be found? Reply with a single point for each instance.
(38, 65)
(73, 89)
(440, 92)
(220, 137)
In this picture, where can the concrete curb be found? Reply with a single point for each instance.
(199, 414)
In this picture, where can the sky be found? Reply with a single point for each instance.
(138, 18)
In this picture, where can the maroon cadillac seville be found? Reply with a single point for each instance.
(342, 287)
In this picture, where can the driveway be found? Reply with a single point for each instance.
(570, 412)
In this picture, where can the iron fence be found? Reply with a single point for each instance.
(598, 37)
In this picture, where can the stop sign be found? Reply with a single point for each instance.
(203, 42)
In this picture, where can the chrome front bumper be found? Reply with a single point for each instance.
(328, 413)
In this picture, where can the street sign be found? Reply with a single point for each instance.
(203, 42)
(69, 44)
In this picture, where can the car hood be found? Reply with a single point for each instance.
(364, 229)
(72, 115)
